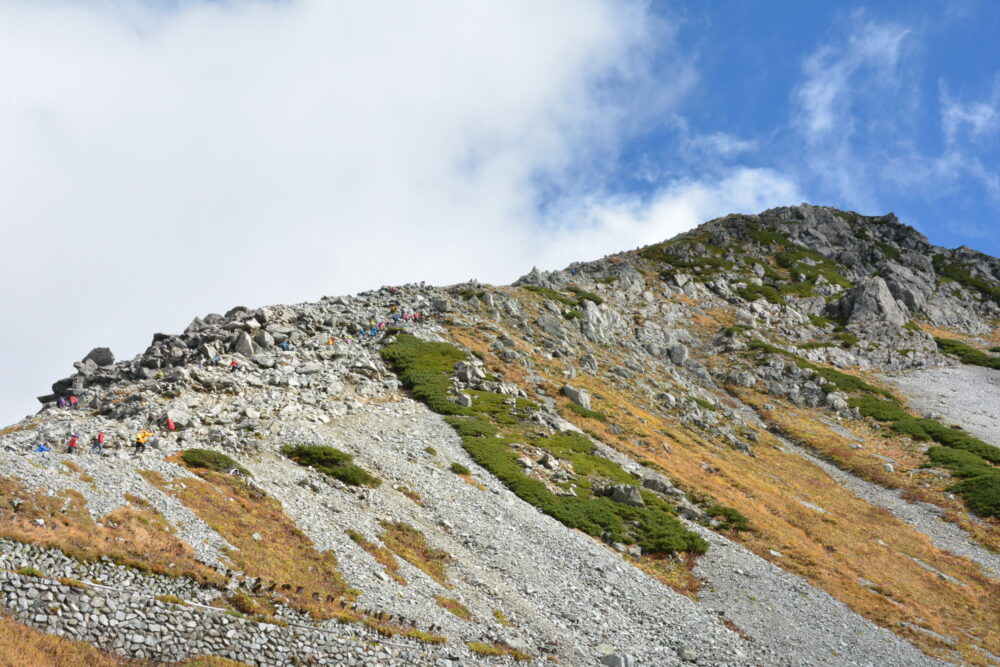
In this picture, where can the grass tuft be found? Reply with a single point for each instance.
(208, 459)
(331, 462)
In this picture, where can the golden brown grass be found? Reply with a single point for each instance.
(672, 572)
(832, 549)
(496, 650)
(24, 646)
(455, 607)
(303, 577)
(382, 555)
(803, 426)
(411, 494)
(139, 538)
(409, 544)
(851, 539)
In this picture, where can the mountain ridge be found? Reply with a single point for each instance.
(708, 390)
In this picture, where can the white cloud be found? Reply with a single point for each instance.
(621, 222)
(849, 106)
(164, 161)
(975, 120)
(872, 50)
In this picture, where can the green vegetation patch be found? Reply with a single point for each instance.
(966, 456)
(460, 469)
(963, 276)
(967, 354)
(576, 301)
(209, 459)
(842, 381)
(425, 369)
(730, 518)
(331, 462)
(490, 435)
(587, 413)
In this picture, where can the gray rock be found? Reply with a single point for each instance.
(244, 345)
(579, 396)
(618, 660)
(625, 494)
(871, 301)
(101, 356)
(678, 354)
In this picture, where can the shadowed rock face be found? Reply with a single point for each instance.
(639, 367)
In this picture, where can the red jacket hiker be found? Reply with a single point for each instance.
(170, 424)
(100, 438)
(73, 443)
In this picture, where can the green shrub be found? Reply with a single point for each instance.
(431, 451)
(589, 414)
(573, 315)
(730, 518)
(966, 353)
(209, 459)
(583, 295)
(460, 469)
(982, 493)
(820, 321)
(964, 277)
(735, 329)
(425, 368)
(331, 462)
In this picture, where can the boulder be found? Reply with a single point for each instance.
(101, 356)
(264, 339)
(244, 345)
(871, 301)
(626, 494)
(579, 396)
(678, 354)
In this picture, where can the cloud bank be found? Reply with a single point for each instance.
(161, 161)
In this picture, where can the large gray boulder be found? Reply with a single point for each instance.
(625, 494)
(101, 356)
(909, 286)
(871, 301)
(244, 345)
(579, 396)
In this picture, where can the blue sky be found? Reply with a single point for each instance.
(162, 160)
(874, 107)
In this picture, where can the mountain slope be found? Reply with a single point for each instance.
(680, 453)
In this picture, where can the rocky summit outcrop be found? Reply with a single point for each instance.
(690, 453)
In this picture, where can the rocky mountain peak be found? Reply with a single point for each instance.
(765, 441)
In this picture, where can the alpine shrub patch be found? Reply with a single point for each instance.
(967, 354)
(331, 462)
(209, 459)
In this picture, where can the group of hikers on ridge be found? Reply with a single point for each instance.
(102, 445)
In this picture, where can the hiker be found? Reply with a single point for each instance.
(74, 402)
(140, 441)
(285, 345)
(42, 448)
(170, 424)
(395, 318)
(73, 443)
(233, 366)
(218, 360)
(98, 444)
(61, 402)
